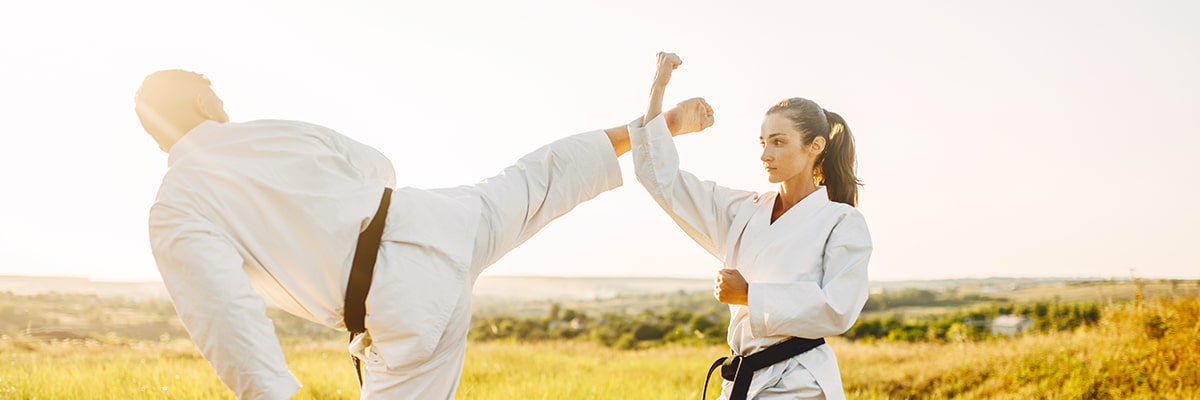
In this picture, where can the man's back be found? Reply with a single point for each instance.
(290, 197)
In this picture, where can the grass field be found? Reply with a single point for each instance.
(1146, 350)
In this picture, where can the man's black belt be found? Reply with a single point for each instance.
(740, 369)
(361, 272)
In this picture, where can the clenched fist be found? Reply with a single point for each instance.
(692, 115)
(667, 62)
(731, 287)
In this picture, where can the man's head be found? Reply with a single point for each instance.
(172, 102)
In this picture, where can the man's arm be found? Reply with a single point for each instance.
(226, 319)
(619, 136)
(692, 115)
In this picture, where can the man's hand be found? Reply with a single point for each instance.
(692, 115)
(731, 287)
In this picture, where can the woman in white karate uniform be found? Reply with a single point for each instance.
(795, 260)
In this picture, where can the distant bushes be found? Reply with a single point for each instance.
(65, 314)
(626, 331)
(971, 319)
(677, 318)
(923, 298)
(973, 324)
(651, 328)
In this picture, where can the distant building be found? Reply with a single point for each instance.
(576, 324)
(1011, 325)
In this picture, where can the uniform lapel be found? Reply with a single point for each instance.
(761, 233)
(755, 235)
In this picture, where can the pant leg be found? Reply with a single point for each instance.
(436, 379)
(795, 383)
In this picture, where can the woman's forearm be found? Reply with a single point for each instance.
(667, 62)
(656, 98)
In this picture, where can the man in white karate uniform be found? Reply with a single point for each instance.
(274, 209)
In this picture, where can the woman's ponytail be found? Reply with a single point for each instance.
(835, 167)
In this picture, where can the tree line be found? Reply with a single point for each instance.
(680, 318)
(970, 321)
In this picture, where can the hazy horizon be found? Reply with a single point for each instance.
(652, 277)
(1023, 139)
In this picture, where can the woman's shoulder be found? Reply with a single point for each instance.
(851, 222)
(842, 211)
(843, 208)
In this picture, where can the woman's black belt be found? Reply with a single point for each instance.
(740, 369)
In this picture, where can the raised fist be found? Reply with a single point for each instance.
(667, 62)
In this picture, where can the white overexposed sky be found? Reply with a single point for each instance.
(1019, 138)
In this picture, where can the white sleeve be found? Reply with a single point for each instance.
(540, 187)
(226, 319)
(812, 310)
(703, 209)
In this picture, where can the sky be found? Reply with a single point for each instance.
(995, 139)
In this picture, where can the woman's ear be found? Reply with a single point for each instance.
(817, 145)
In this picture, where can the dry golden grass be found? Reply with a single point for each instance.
(1147, 350)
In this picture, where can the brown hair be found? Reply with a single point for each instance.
(835, 166)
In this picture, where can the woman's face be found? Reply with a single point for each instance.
(785, 156)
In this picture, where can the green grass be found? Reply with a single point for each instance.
(1143, 350)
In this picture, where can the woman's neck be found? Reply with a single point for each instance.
(791, 192)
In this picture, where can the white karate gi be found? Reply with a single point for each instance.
(274, 208)
(807, 271)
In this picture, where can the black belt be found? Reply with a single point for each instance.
(361, 272)
(740, 369)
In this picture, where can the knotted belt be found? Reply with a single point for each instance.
(740, 369)
(361, 272)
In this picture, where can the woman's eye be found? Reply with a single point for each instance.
(779, 143)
